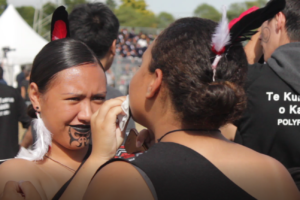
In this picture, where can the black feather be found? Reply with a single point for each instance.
(60, 14)
(243, 29)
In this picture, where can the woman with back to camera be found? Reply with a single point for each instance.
(67, 85)
(177, 95)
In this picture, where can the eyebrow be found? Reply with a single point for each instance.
(75, 94)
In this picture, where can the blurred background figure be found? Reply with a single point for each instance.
(2, 81)
(21, 77)
(25, 87)
(12, 111)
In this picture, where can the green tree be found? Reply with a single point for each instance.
(164, 19)
(135, 13)
(128, 16)
(111, 4)
(3, 5)
(236, 9)
(139, 5)
(207, 11)
(27, 13)
(49, 8)
(71, 4)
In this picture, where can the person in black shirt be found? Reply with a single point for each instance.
(2, 81)
(270, 124)
(20, 77)
(25, 88)
(12, 111)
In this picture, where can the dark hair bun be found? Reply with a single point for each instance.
(222, 103)
(183, 53)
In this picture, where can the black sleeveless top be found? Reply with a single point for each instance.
(178, 172)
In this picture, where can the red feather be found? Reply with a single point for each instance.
(234, 21)
(59, 31)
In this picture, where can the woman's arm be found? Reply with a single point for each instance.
(20, 191)
(254, 49)
(23, 92)
(107, 138)
(19, 170)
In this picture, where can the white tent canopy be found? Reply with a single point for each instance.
(16, 34)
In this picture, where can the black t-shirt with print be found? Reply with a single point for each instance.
(12, 111)
(271, 122)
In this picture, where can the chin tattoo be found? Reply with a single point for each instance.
(81, 138)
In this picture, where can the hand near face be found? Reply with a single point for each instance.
(20, 191)
(254, 49)
(107, 137)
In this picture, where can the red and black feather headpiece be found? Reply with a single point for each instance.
(241, 29)
(60, 24)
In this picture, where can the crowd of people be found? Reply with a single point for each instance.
(220, 124)
(132, 45)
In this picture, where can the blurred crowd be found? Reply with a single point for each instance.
(132, 45)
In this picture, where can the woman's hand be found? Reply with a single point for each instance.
(20, 191)
(107, 137)
(145, 137)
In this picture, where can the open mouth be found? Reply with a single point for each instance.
(81, 128)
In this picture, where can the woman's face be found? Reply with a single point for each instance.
(68, 104)
(138, 88)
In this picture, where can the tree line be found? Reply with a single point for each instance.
(135, 13)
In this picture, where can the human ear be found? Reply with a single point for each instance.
(113, 48)
(34, 96)
(155, 84)
(280, 21)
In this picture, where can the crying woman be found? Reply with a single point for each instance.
(67, 86)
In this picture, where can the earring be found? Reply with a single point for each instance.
(37, 109)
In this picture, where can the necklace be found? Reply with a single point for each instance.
(73, 170)
(194, 130)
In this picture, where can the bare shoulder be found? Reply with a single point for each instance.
(264, 177)
(17, 166)
(118, 180)
(18, 170)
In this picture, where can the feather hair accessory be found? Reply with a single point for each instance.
(241, 29)
(220, 39)
(59, 24)
(41, 146)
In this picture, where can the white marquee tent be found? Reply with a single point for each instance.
(16, 34)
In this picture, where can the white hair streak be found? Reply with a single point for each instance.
(41, 146)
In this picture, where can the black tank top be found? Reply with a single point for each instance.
(178, 172)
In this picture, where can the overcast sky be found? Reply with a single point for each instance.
(179, 8)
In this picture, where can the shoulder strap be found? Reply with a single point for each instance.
(65, 186)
